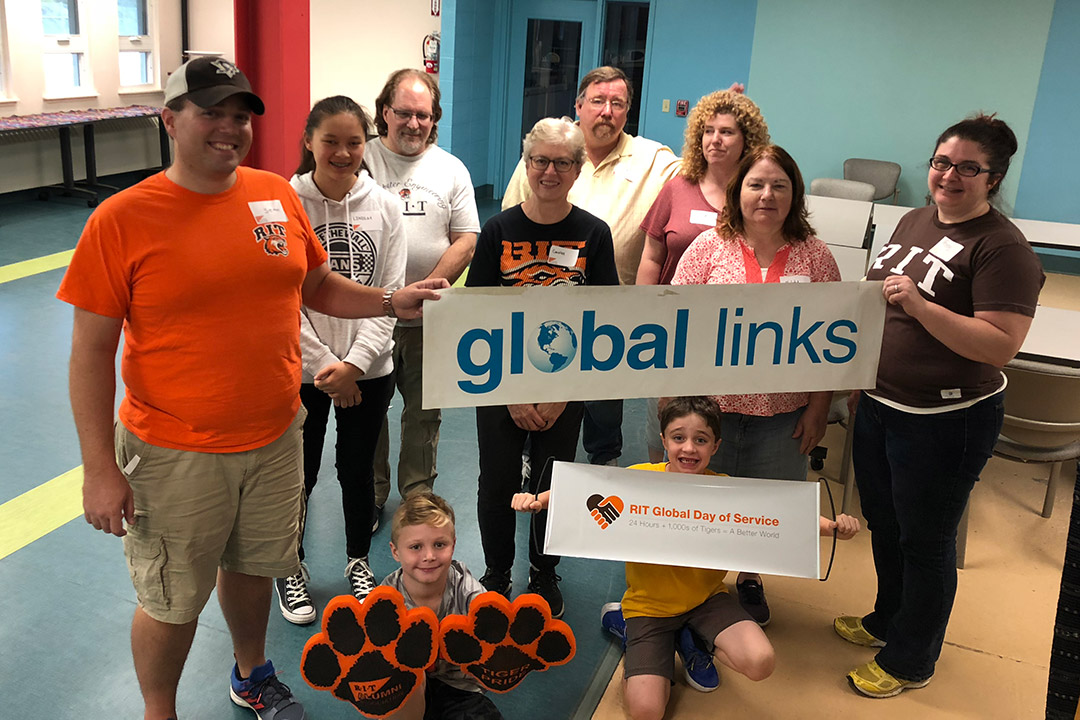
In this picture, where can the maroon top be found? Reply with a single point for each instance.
(679, 215)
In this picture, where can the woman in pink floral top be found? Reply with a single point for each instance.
(763, 235)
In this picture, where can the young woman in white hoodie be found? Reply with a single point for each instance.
(347, 363)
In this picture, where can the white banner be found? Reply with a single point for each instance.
(703, 521)
(497, 346)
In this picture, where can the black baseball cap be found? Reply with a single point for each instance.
(206, 81)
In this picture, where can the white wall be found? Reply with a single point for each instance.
(356, 44)
(210, 27)
(25, 79)
(32, 158)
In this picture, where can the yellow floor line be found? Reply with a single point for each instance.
(34, 266)
(38, 512)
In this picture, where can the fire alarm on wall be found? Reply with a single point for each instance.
(681, 108)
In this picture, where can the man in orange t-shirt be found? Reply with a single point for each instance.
(204, 267)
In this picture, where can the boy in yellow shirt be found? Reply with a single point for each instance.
(663, 603)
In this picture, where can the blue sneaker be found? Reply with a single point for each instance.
(265, 695)
(697, 664)
(611, 619)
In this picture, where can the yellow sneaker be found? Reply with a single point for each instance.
(850, 628)
(872, 681)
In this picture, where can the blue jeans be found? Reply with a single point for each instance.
(601, 431)
(760, 447)
(915, 473)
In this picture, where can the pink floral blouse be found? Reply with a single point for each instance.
(714, 260)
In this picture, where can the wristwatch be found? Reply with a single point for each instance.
(387, 304)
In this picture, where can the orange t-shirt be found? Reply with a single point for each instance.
(209, 290)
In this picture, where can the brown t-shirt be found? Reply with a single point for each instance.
(982, 264)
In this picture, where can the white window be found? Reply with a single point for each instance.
(137, 47)
(64, 51)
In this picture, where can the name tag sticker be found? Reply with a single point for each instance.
(622, 171)
(946, 249)
(563, 256)
(795, 279)
(267, 211)
(703, 217)
(367, 221)
(951, 394)
(132, 464)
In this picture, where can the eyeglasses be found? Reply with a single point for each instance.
(562, 165)
(963, 169)
(598, 104)
(421, 117)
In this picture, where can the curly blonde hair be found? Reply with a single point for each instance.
(747, 116)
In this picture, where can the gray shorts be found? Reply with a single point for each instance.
(650, 641)
(196, 512)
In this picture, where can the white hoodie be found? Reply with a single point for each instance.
(365, 239)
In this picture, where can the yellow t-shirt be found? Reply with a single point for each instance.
(667, 590)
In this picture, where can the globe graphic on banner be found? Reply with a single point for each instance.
(552, 347)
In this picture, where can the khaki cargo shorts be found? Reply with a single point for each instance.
(196, 512)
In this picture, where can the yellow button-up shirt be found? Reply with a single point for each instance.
(620, 191)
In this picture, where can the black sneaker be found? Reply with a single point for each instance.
(752, 598)
(375, 521)
(361, 579)
(545, 583)
(265, 695)
(495, 581)
(294, 599)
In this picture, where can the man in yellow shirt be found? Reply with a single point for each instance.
(619, 182)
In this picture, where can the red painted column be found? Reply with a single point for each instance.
(273, 44)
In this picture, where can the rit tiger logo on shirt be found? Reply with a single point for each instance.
(273, 238)
(413, 206)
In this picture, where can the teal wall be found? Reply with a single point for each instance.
(469, 42)
(835, 79)
(848, 78)
(696, 46)
(1049, 189)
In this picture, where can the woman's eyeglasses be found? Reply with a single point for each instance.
(963, 169)
(562, 165)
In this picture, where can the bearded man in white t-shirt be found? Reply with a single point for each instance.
(438, 207)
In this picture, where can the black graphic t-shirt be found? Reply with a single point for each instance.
(979, 265)
(514, 251)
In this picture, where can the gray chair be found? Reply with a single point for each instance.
(846, 189)
(1042, 425)
(883, 175)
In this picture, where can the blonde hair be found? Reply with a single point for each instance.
(423, 508)
(747, 116)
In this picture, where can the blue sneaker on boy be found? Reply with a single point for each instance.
(698, 665)
(265, 695)
(611, 619)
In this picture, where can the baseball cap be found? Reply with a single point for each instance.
(206, 81)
